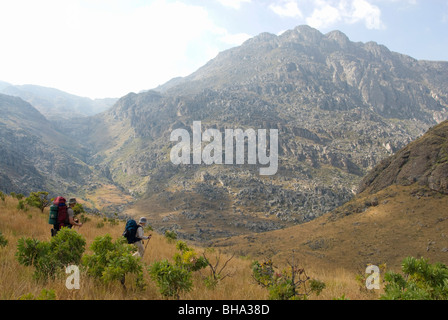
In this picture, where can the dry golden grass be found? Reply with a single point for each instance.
(107, 195)
(17, 280)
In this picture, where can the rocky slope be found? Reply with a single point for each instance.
(34, 156)
(424, 161)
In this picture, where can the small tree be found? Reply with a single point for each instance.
(216, 269)
(287, 284)
(39, 200)
(421, 281)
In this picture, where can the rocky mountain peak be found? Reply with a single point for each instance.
(339, 37)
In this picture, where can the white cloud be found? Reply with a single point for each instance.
(287, 8)
(364, 11)
(324, 16)
(328, 13)
(235, 4)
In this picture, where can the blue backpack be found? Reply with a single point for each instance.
(130, 231)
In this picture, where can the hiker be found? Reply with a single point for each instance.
(62, 215)
(140, 237)
(71, 215)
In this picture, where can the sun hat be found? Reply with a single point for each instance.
(142, 220)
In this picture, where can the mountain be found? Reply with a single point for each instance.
(34, 155)
(57, 105)
(400, 211)
(340, 108)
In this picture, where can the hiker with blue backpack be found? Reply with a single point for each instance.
(134, 233)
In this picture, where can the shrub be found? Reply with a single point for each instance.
(421, 281)
(188, 258)
(3, 240)
(22, 205)
(171, 236)
(68, 246)
(27, 251)
(171, 279)
(44, 295)
(18, 196)
(78, 209)
(175, 278)
(112, 261)
(287, 284)
(48, 258)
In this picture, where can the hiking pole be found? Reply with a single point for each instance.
(147, 241)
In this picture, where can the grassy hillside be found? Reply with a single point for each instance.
(17, 280)
(379, 228)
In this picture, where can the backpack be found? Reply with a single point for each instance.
(130, 231)
(58, 213)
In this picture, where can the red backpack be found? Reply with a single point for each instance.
(62, 220)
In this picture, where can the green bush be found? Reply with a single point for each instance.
(421, 281)
(48, 258)
(18, 196)
(171, 278)
(170, 236)
(175, 278)
(44, 295)
(78, 209)
(112, 261)
(3, 240)
(22, 205)
(188, 258)
(68, 246)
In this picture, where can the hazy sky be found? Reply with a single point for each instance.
(108, 48)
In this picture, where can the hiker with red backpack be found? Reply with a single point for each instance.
(61, 215)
